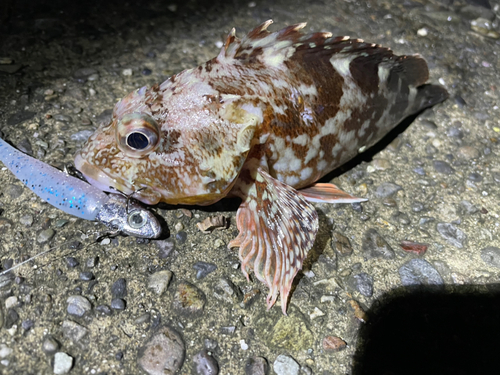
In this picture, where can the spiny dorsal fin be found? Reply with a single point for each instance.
(290, 40)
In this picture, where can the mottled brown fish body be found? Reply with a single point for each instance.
(272, 113)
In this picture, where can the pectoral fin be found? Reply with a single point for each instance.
(277, 229)
(328, 193)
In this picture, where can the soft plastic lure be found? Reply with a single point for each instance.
(78, 198)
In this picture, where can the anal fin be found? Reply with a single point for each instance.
(277, 229)
(328, 193)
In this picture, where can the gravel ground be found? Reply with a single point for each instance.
(404, 283)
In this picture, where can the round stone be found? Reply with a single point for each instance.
(286, 365)
(62, 363)
(78, 305)
(163, 353)
(205, 364)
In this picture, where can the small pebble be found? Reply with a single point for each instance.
(26, 220)
(475, 177)
(62, 117)
(429, 124)
(210, 344)
(5, 351)
(78, 305)
(414, 247)
(165, 248)
(256, 366)
(419, 272)
(11, 318)
(455, 131)
(119, 356)
(452, 234)
(62, 363)
(163, 353)
(188, 300)
(7, 263)
(146, 72)
(491, 256)
(316, 313)
(420, 171)
(381, 164)
(82, 74)
(159, 281)
(61, 223)
(387, 189)
(389, 202)
(74, 331)
(286, 365)
(27, 324)
(127, 72)
(422, 32)
(143, 318)
(75, 245)
(205, 364)
(178, 227)
(13, 191)
(402, 218)
(362, 282)
(104, 309)
(243, 345)
(341, 244)
(86, 276)
(375, 246)
(226, 291)
(469, 207)
(11, 302)
(50, 345)
(72, 262)
(92, 262)
(203, 269)
(468, 153)
(119, 288)
(181, 237)
(417, 206)
(118, 304)
(443, 167)
(425, 220)
(45, 235)
(333, 344)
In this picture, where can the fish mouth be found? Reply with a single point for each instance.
(101, 180)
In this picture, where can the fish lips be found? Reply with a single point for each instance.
(96, 177)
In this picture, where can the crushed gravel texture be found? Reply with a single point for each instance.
(419, 261)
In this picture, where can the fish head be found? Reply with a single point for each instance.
(180, 149)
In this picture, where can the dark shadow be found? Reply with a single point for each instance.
(324, 234)
(426, 331)
(40, 21)
(227, 204)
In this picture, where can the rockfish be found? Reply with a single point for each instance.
(263, 121)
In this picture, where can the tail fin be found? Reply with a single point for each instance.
(429, 95)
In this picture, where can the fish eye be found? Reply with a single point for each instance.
(137, 134)
(137, 219)
(137, 141)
